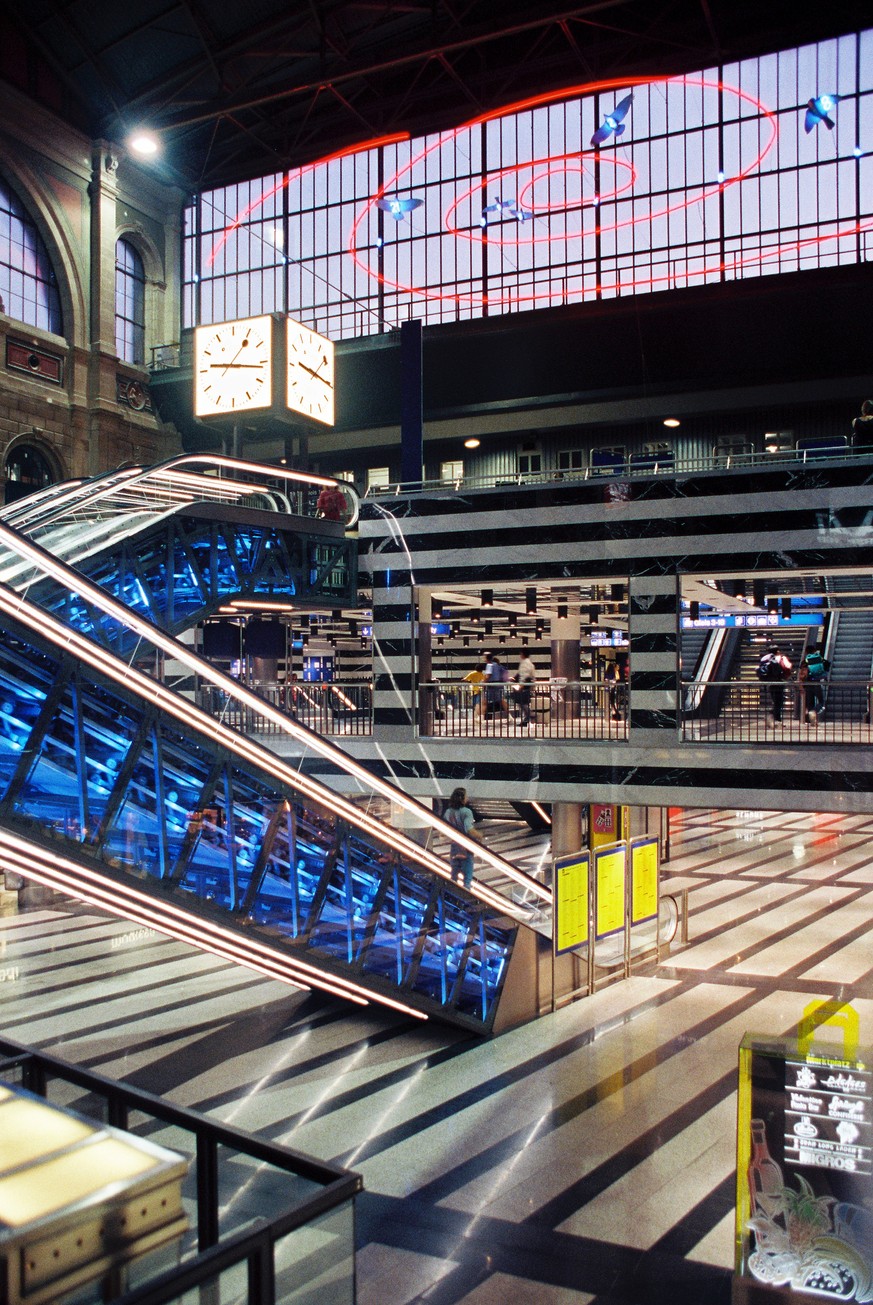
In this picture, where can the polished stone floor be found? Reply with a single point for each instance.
(586, 1158)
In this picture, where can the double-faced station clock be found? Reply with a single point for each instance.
(310, 373)
(233, 367)
(270, 364)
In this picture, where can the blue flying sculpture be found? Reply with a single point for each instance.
(397, 207)
(613, 124)
(503, 208)
(818, 110)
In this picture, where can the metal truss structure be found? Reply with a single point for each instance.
(116, 788)
(112, 785)
(181, 569)
(234, 95)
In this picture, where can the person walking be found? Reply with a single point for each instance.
(460, 816)
(812, 675)
(495, 694)
(475, 678)
(774, 669)
(526, 676)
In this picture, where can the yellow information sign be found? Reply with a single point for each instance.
(644, 880)
(610, 884)
(571, 902)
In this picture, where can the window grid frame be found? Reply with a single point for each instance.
(740, 232)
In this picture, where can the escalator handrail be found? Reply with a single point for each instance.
(88, 493)
(244, 749)
(151, 634)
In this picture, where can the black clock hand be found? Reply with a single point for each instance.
(235, 365)
(314, 373)
(233, 362)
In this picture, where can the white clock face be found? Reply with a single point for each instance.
(233, 366)
(310, 373)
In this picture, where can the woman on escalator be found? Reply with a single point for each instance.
(460, 817)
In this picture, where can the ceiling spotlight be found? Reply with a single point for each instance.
(562, 611)
(530, 601)
(143, 143)
(472, 443)
(436, 607)
(671, 421)
(487, 598)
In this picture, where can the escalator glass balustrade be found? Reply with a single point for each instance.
(90, 768)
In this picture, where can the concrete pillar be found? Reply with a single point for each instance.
(565, 663)
(566, 827)
(425, 664)
(654, 641)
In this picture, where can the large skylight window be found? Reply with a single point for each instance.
(615, 189)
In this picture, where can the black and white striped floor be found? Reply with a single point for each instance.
(588, 1157)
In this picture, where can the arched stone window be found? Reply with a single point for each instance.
(129, 304)
(28, 286)
(28, 468)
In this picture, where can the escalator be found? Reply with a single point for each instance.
(118, 790)
(173, 545)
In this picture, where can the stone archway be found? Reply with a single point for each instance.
(28, 466)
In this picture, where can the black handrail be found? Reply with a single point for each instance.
(255, 1245)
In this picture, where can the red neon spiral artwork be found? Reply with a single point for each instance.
(598, 176)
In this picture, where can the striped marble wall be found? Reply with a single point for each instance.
(766, 521)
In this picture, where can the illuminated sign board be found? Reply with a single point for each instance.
(610, 872)
(571, 880)
(608, 639)
(750, 621)
(644, 880)
(805, 1169)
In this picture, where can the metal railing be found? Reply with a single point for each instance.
(554, 709)
(168, 486)
(270, 1255)
(324, 708)
(743, 712)
(630, 469)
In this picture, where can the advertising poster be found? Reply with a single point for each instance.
(604, 822)
(610, 890)
(644, 880)
(571, 880)
(805, 1172)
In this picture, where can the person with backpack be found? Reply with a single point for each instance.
(774, 669)
(495, 695)
(812, 675)
(460, 816)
